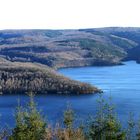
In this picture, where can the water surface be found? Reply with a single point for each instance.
(121, 82)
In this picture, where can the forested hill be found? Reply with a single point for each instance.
(69, 48)
(20, 77)
(53, 49)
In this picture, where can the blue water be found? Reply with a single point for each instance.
(122, 83)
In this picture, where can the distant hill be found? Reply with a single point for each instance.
(65, 48)
(69, 48)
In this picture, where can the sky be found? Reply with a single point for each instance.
(68, 14)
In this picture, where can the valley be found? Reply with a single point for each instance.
(29, 58)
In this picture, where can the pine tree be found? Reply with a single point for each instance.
(131, 127)
(68, 117)
(30, 125)
(105, 125)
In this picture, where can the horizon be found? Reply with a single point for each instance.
(70, 28)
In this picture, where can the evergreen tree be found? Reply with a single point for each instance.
(131, 127)
(105, 125)
(68, 117)
(138, 131)
(30, 125)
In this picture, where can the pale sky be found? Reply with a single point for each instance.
(68, 14)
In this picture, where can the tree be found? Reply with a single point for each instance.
(131, 127)
(105, 125)
(68, 117)
(30, 125)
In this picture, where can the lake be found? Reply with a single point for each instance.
(121, 82)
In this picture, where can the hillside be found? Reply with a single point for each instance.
(70, 48)
(28, 57)
(17, 77)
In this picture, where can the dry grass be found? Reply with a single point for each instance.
(59, 133)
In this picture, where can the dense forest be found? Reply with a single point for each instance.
(17, 77)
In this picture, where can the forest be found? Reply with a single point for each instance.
(19, 77)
